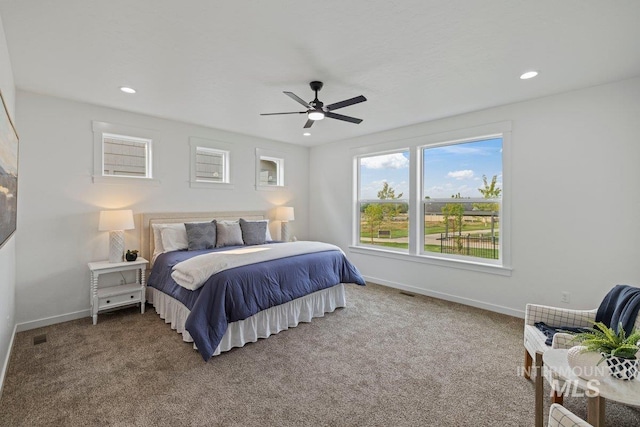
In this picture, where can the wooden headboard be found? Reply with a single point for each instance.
(147, 219)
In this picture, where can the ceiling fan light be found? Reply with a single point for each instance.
(315, 115)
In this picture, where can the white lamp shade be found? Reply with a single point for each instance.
(284, 213)
(116, 220)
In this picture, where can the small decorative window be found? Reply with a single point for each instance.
(125, 156)
(269, 170)
(209, 163)
(122, 152)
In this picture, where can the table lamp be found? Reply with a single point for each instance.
(115, 222)
(284, 214)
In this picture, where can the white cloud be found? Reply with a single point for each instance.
(386, 161)
(463, 174)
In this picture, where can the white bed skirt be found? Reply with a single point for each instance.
(260, 325)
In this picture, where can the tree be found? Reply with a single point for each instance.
(389, 210)
(388, 192)
(374, 215)
(490, 191)
(453, 213)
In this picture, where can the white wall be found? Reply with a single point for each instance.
(575, 205)
(8, 250)
(59, 204)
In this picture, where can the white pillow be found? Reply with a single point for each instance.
(174, 238)
(158, 246)
(268, 237)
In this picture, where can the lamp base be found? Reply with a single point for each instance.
(285, 231)
(116, 246)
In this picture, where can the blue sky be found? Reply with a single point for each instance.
(448, 170)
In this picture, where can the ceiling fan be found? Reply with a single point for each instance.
(316, 110)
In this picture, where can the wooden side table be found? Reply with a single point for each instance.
(119, 295)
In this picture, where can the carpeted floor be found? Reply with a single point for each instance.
(385, 360)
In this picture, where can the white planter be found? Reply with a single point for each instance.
(585, 363)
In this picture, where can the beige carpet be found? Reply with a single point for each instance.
(385, 360)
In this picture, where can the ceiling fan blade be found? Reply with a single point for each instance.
(346, 103)
(297, 98)
(341, 117)
(275, 114)
(308, 124)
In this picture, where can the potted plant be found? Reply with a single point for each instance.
(131, 255)
(618, 349)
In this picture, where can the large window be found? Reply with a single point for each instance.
(383, 200)
(462, 198)
(440, 200)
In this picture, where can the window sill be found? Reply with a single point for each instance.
(212, 185)
(124, 180)
(270, 187)
(442, 262)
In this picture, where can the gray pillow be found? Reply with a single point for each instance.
(228, 234)
(253, 232)
(201, 235)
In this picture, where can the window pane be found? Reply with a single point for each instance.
(383, 200)
(210, 165)
(462, 228)
(462, 196)
(270, 171)
(123, 156)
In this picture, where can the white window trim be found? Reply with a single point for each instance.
(101, 128)
(273, 156)
(415, 145)
(194, 143)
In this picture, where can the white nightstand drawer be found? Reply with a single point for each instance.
(118, 300)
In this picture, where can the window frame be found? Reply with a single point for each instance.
(416, 206)
(214, 146)
(421, 225)
(104, 129)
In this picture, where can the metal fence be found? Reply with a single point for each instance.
(470, 244)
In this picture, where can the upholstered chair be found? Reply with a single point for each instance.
(559, 416)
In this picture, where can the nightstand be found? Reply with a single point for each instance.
(120, 295)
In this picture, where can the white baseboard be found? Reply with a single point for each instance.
(5, 366)
(33, 324)
(448, 297)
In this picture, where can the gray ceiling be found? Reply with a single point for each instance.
(220, 64)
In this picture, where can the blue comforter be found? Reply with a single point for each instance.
(241, 292)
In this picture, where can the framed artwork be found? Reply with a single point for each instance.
(8, 175)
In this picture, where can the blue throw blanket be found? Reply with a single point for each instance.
(620, 306)
(241, 292)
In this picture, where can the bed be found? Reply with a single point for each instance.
(224, 297)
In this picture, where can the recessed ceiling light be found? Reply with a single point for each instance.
(306, 134)
(127, 89)
(529, 75)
